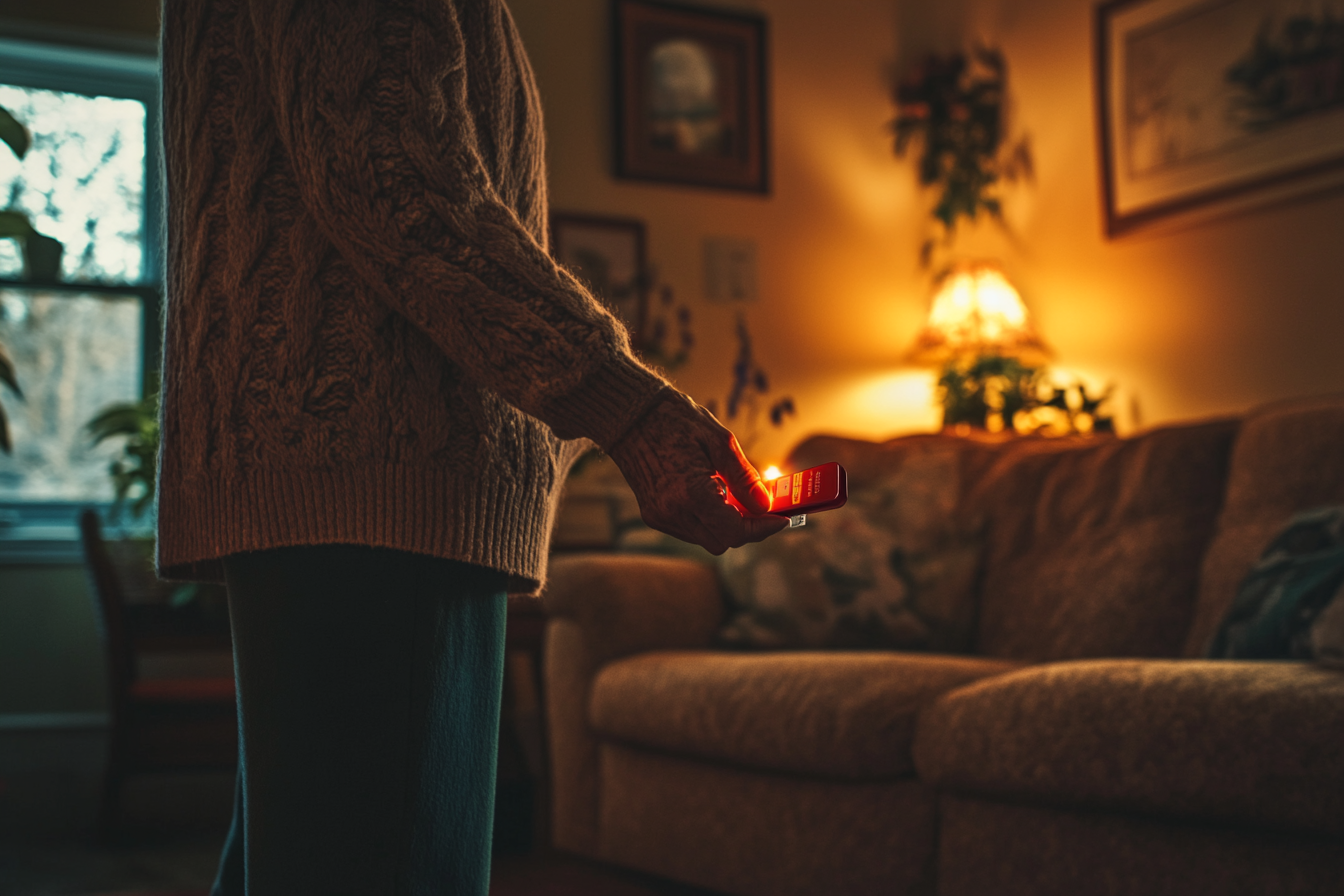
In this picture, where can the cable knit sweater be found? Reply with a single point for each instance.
(366, 340)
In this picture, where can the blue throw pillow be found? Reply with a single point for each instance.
(1288, 607)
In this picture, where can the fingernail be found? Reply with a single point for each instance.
(762, 496)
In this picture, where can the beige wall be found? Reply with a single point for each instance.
(1212, 318)
(830, 320)
(1207, 319)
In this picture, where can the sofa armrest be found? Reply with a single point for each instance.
(630, 603)
(603, 607)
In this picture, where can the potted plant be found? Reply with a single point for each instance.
(134, 474)
(954, 107)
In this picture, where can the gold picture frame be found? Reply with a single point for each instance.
(1211, 104)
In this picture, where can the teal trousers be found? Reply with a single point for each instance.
(368, 694)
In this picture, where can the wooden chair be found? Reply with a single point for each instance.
(156, 724)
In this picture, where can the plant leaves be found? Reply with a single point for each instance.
(42, 257)
(14, 133)
(184, 594)
(8, 373)
(135, 471)
(116, 420)
(14, 224)
(925, 253)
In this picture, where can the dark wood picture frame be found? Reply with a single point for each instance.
(690, 96)
(609, 255)
(1225, 146)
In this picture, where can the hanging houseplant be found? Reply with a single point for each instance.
(953, 108)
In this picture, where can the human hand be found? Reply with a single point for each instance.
(670, 458)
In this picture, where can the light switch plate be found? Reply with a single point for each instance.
(730, 269)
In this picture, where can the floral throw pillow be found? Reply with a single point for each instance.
(891, 569)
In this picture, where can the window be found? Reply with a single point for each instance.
(91, 180)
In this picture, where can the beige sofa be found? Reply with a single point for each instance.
(1076, 748)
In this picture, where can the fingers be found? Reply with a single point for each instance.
(736, 530)
(669, 459)
(727, 527)
(700, 516)
(719, 523)
(743, 480)
(759, 528)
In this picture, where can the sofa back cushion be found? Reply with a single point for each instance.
(1289, 457)
(1093, 547)
(895, 568)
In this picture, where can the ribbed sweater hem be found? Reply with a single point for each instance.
(485, 520)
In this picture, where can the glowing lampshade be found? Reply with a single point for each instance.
(976, 312)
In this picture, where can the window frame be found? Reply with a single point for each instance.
(39, 532)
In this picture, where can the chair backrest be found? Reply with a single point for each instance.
(110, 599)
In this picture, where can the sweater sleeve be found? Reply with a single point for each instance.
(371, 102)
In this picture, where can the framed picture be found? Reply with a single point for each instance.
(690, 96)
(1216, 102)
(607, 254)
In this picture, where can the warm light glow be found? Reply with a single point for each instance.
(771, 473)
(880, 405)
(976, 311)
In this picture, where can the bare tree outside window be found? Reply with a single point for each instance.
(82, 182)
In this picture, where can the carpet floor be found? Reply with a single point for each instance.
(184, 869)
(173, 827)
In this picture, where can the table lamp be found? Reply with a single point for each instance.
(980, 334)
(975, 313)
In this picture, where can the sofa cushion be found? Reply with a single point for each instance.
(1286, 460)
(1005, 849)
(1232, 741)
(845, 715)
(894, 568)
(1093, 550)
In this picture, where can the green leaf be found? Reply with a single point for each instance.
(133, 473)
(184, 594)
(14, 224)
(143, 503)
(42, 257)
(8, 374)
(14, 133)
(926, 252)
(116, 420)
